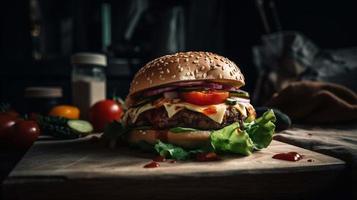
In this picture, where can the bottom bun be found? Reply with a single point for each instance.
(192, 139)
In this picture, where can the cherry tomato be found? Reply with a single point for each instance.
(204, 97)
(104, 112)
(6, 124)
(66, 111)
(25, 132)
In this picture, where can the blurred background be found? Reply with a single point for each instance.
(298, 57)
(38, 38)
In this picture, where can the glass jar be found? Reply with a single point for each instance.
(41, 100)
(88, 80)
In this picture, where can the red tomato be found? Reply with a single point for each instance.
(104, 112)
(25, 132)
(204, 97)
(6, 124)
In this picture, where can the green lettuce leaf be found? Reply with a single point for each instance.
(262, 129)
(257, 134)
(175, 152)
(231, 139)
(172, 151)
(182, 129)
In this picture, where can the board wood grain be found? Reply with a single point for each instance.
(83, 168)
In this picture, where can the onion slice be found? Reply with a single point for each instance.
(242, 100)
(171, 95)
(158, 91)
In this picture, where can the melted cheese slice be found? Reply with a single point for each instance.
(173, 108)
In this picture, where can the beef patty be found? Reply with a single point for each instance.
(158, 118)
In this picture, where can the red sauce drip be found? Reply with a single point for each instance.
(162, 135)
(210, 110)
(204, 157)
(152, 164)
(159, 159)
(290, 156)
(172, 161)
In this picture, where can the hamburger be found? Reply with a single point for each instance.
(192, 102)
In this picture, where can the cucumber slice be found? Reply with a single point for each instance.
(80, 126)
(241, 93)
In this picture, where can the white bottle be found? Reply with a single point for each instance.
(88, 80)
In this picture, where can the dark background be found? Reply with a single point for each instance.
(38, 37)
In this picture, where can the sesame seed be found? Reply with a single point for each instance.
(167, 70)
(204, 75)
(181, 69)
(187, 73)
(191, 56)
(161, 72)
(197, 57)
(173, 76)
(186, 60)
(203, 68)
(220, 76)
(195, 61)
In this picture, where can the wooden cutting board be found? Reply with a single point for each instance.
(85, 169)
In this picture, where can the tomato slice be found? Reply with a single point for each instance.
(204, 97)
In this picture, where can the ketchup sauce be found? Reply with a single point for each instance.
(152, 164)
(290, 156)
(210, 110)
(210, 156)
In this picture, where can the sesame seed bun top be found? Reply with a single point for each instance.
(186, 66)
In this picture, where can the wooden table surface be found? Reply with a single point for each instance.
(84, 169)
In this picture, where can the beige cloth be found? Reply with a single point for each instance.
(316, 102)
